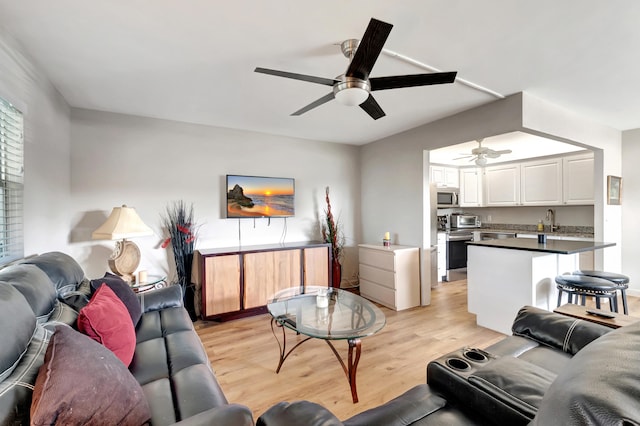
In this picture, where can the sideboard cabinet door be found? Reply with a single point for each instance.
(222, 273)
(267, 272)
(316, 271)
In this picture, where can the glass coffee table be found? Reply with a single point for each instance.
(329, 314)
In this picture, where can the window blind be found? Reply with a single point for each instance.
(11, 182)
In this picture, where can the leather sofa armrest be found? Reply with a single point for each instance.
(515, 383)
(298, 413)
(408, 408)
(556, 330)
(224, 415)
(162, 298)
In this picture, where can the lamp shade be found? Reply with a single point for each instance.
(123, 222)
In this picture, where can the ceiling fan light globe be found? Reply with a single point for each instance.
(481, 161)
(351, 96)
(352, 91)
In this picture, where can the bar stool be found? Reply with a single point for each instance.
(584, 285)
(621, 281)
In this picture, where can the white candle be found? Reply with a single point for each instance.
(142, 277)
(322, 298)
(386, 236)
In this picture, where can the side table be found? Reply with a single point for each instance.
(152, 282)
(580, 312)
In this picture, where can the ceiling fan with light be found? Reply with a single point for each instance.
(481, 153)
(354, 87)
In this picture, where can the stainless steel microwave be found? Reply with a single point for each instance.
(447, 197)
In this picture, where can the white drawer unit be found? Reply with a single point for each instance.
(390, 275)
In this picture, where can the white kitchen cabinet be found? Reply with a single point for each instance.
(444, 176)
(502, 185)
(577, 179)
(471, 188)
(541, 182)
(390, 275)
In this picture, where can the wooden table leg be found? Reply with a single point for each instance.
(353, 366)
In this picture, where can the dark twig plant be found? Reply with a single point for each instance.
(331, 232)
(179, 222)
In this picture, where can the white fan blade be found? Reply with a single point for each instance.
(496, 154)
(463, 157)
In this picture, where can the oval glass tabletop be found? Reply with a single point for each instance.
(338, 315)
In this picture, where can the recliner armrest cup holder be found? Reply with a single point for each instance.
(475, 355)
(457, 364)
(452, 376)
(465, 360)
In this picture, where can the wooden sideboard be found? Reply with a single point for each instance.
(236, 282)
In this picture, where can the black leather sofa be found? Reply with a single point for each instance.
(553, 370)
(169, 363)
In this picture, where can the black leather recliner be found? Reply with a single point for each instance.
(553, 370)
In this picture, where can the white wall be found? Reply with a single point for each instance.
(631, 207)
(390, 166)
(396, 167)
(148, 163)
(47, 203)
(545, 119)
(395, 175)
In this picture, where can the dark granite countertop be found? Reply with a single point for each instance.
(551, 246)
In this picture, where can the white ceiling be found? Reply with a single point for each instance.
(522, 146)
(193, 60)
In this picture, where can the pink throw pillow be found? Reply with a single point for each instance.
(106, 320)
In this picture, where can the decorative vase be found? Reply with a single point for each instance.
(336, 273)
(184, 265)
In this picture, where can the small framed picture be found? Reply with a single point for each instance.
(614, 190)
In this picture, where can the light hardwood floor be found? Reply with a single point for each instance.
(244, 355)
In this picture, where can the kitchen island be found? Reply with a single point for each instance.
(506, 274)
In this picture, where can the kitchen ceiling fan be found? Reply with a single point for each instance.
(354, 87)
(481, 153)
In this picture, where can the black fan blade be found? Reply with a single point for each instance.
(303, 77)
(372, 108)
(326, 98)
(369, 49)
(399, 81)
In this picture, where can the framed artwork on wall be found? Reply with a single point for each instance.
(614, 190)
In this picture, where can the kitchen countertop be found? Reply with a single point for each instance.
(551, 246)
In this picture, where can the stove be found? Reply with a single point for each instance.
(457, 253)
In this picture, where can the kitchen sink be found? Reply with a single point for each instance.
(484, 235)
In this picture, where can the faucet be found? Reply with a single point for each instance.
(551, 217)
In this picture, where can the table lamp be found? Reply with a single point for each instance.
(123, 223)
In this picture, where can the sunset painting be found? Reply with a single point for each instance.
(255, 196)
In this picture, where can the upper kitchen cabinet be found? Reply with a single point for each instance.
(445, 176)
(541, 182)
(470, 188)
(502, 185)
(577, 177)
